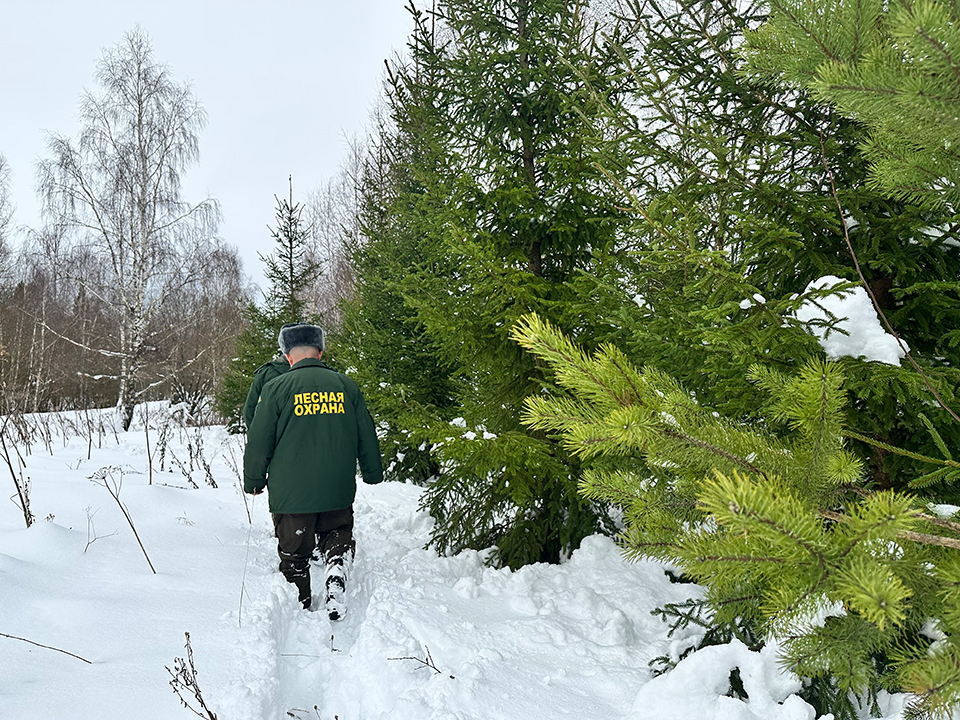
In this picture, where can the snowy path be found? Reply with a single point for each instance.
(544, 642)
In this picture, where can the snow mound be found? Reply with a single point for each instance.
(858, 333)
(698, 687)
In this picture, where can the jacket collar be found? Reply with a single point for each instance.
(306, 362)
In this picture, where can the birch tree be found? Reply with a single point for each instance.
(6, 213)
(332, 214)
(116, 190)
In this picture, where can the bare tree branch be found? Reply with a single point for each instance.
(45, 647)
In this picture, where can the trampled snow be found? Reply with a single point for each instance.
(424, 637)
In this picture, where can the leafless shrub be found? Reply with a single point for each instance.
(104, 478)
(22, 497)
(44, 431)
(186, 472)
(92, 536)
(208, 475)
(427, 661)
(184, 682)
(19, 431)
(90, 427)
(163, 441)
(195, 448)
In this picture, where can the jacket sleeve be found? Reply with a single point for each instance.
(253, 397)
(368, 452)
(261, 442)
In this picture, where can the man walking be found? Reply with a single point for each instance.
(261, 376)
(310, 429)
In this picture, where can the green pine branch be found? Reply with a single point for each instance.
(803, 535)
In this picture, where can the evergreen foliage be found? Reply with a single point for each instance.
(891, 65)
(254, 345)
(627, 182)
(780, 529)
(636, 189)
(524, 211)
(496, 205)
(743, 194)
(382, 340)
(289, 269)
(290, 273)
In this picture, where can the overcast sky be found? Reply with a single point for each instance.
(284, 86)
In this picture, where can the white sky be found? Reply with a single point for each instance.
(284, 86)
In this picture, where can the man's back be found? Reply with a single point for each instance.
(310, 428)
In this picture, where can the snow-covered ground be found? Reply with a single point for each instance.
(424, 637)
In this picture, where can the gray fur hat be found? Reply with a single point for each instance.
(299, 334)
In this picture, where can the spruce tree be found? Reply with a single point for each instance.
(513, 212)
(779, 526)
(289, 269)
(744, 194)
(289, 272)
(493, 205)
(381, 338)
(887, 66)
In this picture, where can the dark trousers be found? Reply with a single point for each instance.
(297, 536)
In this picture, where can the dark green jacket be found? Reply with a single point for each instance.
(264, 374)
(310, 429)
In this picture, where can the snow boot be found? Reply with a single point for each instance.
(297, 572)
(336, 588)
(303, 591)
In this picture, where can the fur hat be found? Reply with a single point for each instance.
(299, 334)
